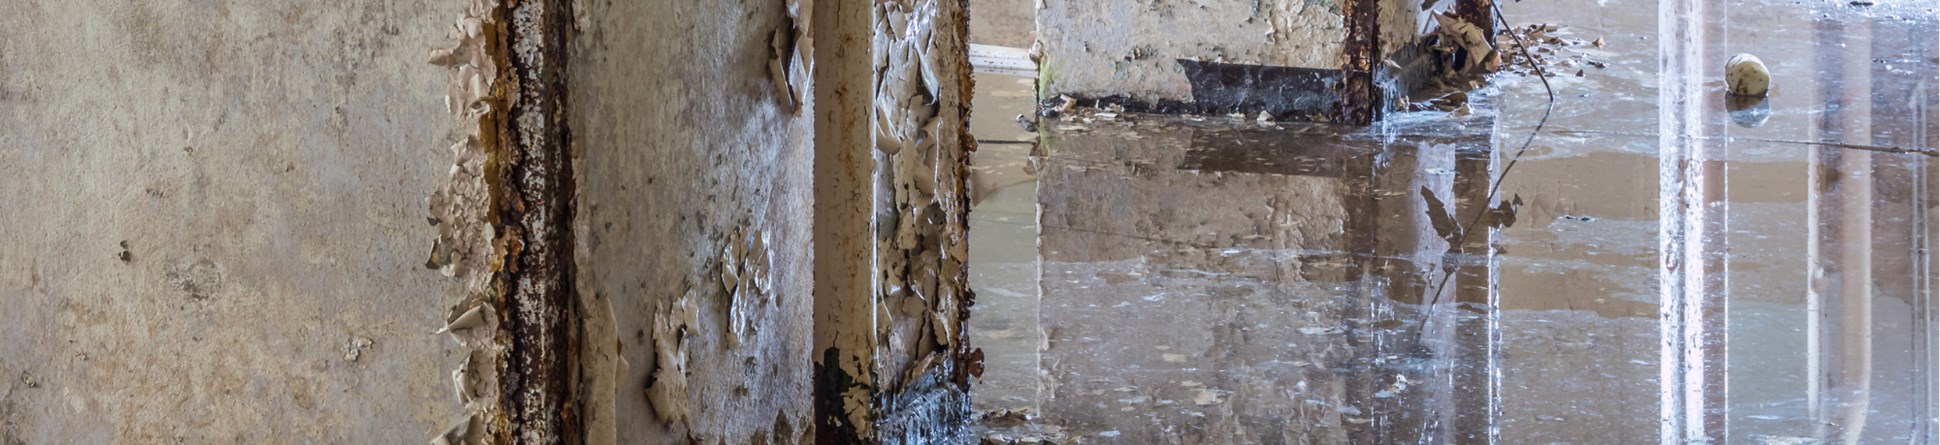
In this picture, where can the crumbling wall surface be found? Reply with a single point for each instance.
(893, 145)
(506, 223)
(922, 147)
(691, 122)
(215, 222)
(1094, 48)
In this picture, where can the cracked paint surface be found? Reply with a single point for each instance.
(921, 116)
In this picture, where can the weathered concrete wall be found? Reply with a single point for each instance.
(1011, 23)
(1127, 47)
(266, 165)
(696, 175)
(1320, 60)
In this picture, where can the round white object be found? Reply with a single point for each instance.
(1745, 75)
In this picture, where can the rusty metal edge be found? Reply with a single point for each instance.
(540, 304)
(1360, 99)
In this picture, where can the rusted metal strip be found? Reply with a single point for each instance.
(541, 304)
(505, 223)
(1480, 13)
(1359, 99)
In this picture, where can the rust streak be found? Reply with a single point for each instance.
(537, 214)
(1359, 97)
(1479, 13)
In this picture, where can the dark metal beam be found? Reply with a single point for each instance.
(1359, 99)
(536, 211)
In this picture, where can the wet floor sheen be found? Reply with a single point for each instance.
(1654, 268)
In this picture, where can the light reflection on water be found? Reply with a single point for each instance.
(1171, 281)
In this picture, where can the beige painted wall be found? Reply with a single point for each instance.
(266, 163)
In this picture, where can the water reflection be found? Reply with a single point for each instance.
(1210, 284)
(1672, 276)
(1870, 300)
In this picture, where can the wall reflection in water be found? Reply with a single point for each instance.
(1674, 276)
(1205, 284)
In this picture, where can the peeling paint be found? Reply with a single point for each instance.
(745, 277)
(504, 222)
(921, 176)
(792, 57)
(667, 391)
(920, 121)
(462, 211)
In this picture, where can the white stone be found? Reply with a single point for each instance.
(1745, 75)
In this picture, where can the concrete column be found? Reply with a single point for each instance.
(894, 362)
(845, 309)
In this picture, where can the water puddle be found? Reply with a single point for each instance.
(1656, 268)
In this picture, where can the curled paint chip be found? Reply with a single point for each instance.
(745, 277)
(667, 389)
(470, 319)
(457, 434)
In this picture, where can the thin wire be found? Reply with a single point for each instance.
(1878, 148)
(1495, 189)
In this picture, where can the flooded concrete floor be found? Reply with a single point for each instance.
(1655, 268)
